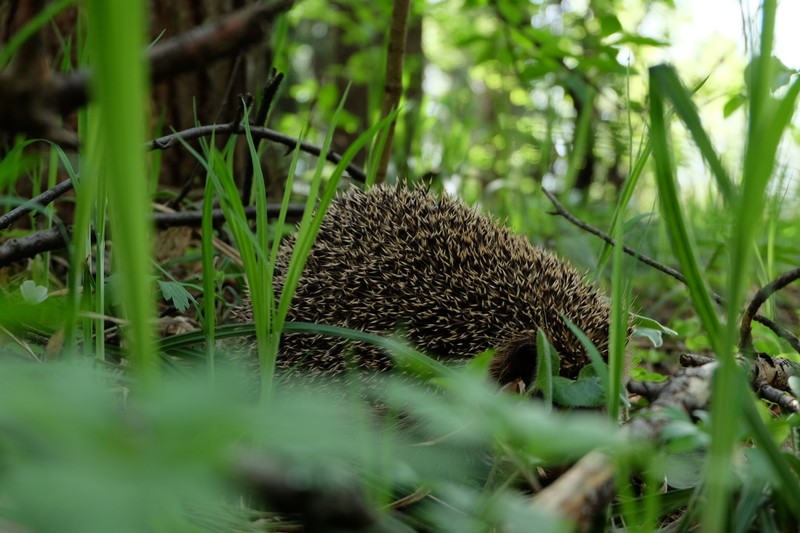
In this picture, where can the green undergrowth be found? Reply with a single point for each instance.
(104, 457)
(743, 196)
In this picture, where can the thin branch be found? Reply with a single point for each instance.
(693, 360)
(37, 202)
(775, 327)
(268, 93)
(745, 330)
(195, 218)
(223, 106)
(17, 249)
(780, 331)
(167, 141)
(192, 50)
(560, 210)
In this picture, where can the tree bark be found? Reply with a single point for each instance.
(393, 86)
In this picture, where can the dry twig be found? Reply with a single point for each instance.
(588, 487)
(775, 327)
(57, 238)
(31, 105)
(745, 331)
(167, 141)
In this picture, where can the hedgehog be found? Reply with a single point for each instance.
(444, 278)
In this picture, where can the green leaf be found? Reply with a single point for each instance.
(647, 322)
(581, 393)
(650, 329)
(684, 470)
(653, 335)
(547, 359)
(640, 374)
(640, 40)
(600, 366)
(734, 103)
(609, 24)
(780, 74)
(173, 290)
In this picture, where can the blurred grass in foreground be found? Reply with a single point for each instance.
(82, 452)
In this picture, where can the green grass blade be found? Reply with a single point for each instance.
(619, 325)
(306, 232)
(677, 228)
(375, 157)
(120, 85)
(314, 223)
(640, 162)
(718, 473)
(209, 274)
(665, 78)
(600, 366)
(260, 277)
(767, 121)
(544, 368)
(404, 355)
(36, 23)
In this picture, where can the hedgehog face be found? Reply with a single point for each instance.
(515, 361)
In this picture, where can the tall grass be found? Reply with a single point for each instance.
(116, 40)
(258, 258)
(36, 23)
(768, 117)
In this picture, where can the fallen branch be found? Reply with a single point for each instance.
(588, 487)
(582, 493)
(31, 106)
(745, 330)
(37, 202)
(258, 132)
(17, 249)
(168, 141)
